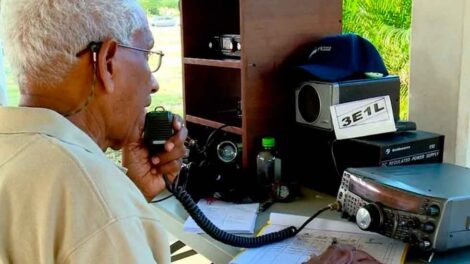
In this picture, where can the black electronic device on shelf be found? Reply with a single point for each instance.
(225, 45)
(214, 167)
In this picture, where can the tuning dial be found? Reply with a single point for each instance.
(234, 45)
(231, 45)
(425, 244)
(413, 223)
(433, 210)
(370, 217)
(214, 45)
(428, 227)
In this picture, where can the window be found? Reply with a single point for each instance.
(167, 34)
(387, 24)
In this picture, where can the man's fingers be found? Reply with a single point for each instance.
(177, 122)
(170, 168)
(363, 257)
(172, 177)
(176, 140)
(169, 146)
(176, 154)
(155, 160)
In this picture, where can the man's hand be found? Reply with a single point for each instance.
(147, 173)
(343, 254)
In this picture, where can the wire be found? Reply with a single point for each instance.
(184, 170)
(94, 49)
(238, 241)
(163, 199)
(211, 135)
(311, 218)
(333, 157)
(336, 206)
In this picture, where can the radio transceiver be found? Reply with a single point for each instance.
(227, 45)
(427, 206)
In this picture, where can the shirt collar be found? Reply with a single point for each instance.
(44, 121)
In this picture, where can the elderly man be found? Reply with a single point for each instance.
(85, 81)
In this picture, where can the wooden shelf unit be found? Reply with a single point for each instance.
(226, 63)
(271, 31)
(213, 124)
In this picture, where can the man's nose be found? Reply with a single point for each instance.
(155, 86)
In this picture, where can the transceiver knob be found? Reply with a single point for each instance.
(370, 217)
(425, 244)
(428, 227)
(433, 210)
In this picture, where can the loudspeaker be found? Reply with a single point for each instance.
(314, 98)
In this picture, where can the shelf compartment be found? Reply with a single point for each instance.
(223, 63)
(202, 20)
(213, 93)
(213, 124)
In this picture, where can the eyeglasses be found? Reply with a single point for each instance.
(154, 58)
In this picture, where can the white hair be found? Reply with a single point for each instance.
(42, 37)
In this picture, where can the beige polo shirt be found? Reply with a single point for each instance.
(63, 201)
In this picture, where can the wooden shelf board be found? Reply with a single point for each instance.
(213, 124)
(225, 63)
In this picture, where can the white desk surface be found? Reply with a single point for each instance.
(173, 216)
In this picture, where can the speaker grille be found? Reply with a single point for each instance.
(309, 103)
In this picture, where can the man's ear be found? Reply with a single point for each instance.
(106, 64)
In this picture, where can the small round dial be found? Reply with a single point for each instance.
(433, 210)
(370, 217)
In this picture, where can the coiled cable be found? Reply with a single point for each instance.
(238, 241)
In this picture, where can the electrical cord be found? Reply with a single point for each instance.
(163, 199)
(191, 143)
(94, 47)
(311, 218)
(209, 138)
(333, 157)
(238, 241)
(184, 170)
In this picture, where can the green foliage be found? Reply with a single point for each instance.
(387, 24)
(153, 6)
(172, 4)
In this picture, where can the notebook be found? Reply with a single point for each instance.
(316, 238)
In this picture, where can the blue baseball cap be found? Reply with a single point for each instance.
(339, 57)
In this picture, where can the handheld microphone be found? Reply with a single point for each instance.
(157, 129)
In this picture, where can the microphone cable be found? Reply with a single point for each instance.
(230, 239)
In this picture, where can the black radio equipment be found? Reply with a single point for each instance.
(226, 45)
(214, 167)
(426, 205)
